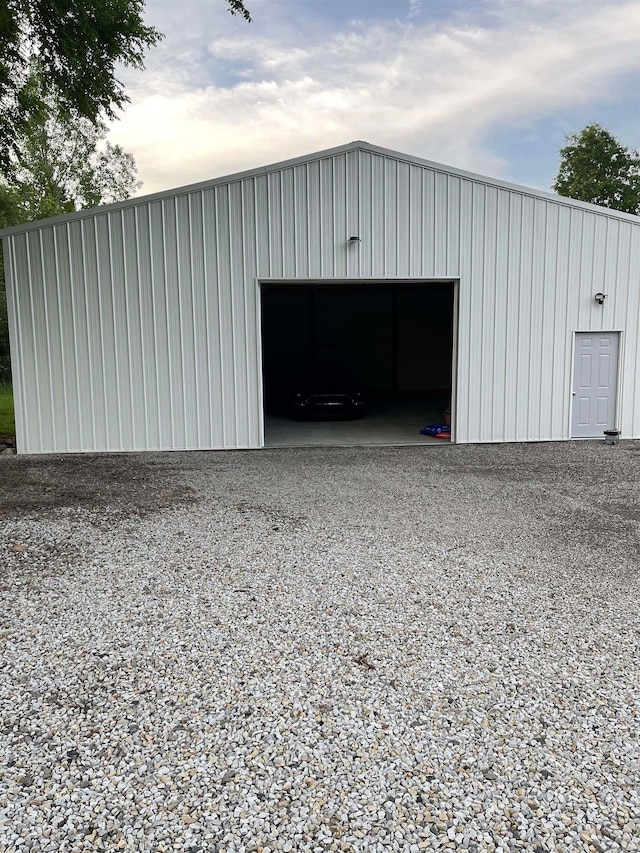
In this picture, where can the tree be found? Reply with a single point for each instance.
(65, 162)
(79, 43)
(595, 167)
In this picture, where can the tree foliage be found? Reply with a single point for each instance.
(237, 7)
(79, 44)
(64, 163)
(596, 167)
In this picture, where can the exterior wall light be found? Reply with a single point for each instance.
(600, 297)
(354, 240)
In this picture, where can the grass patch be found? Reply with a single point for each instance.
(7, 423)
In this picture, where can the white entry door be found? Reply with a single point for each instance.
(595, 380)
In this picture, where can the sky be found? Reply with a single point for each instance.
(490, 86)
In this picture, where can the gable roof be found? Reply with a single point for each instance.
(357, 145)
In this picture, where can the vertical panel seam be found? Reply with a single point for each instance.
(570, 328)
(553, 219)
(143, 371)
(295, 248)
(183, 375)
(507, 293)
(74, 318)
(65, 396)
(47, 323)
(492, 372)
(308, 203)
(633, 369)
(246, 296)
(234, 342)
(222, 359)
(127, 320)
(163, 234)
(102, 347)
(542, 325)
(115, 330)
(205, 280)
(222, 355)
(534, 230)
(89, 343)
(154, 320)
(194, 331)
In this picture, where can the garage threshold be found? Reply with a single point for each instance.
(369, 432)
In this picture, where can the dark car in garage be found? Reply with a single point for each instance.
(321, 394)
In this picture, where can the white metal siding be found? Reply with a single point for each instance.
(138, 327)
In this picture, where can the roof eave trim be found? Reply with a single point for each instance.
(309, 158)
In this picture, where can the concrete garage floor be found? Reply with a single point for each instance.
(387, 423)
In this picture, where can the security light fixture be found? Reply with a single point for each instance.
(600, 297)
(354, 240)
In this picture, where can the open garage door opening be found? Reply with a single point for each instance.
(348, 364)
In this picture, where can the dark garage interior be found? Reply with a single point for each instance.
(396, 339)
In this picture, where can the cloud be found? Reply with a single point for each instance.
(210, 106)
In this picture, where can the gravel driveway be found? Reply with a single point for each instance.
(333, 649)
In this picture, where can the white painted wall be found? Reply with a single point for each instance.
(136, 326)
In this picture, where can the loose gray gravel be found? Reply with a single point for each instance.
(335, 649)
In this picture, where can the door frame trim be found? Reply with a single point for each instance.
(619, 372)
(454, 281)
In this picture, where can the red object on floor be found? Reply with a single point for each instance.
(445, 435)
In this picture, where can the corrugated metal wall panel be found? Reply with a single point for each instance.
(314, 248)
(525, 276)
(253, 352)
(197, 319)
(126, 229)
(376, 247)
(487, 225)
(465, 386)
(415, 224)
(239, 289)
(80, 410)
(140, 328)
(327, 211)
(364, 223)
(563, 343)
(403, 225)
(500, 314)
(389, 233)
(214, 355)
(630, 311)
(339, 235)
(513, 308)
(353, 214)
(225, 297)
(474, 393)
(536, 390)
(157, 291)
